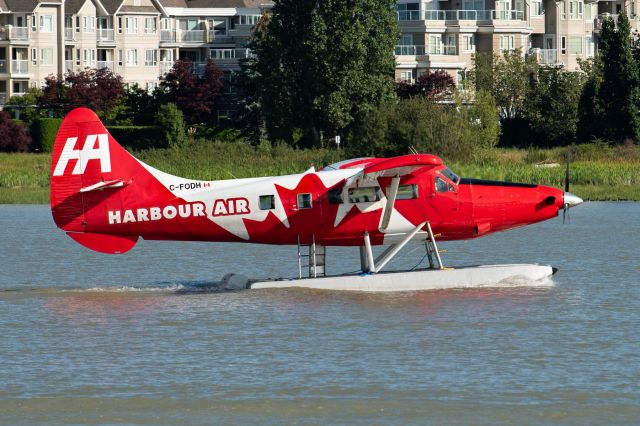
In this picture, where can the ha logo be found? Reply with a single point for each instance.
(84, 155)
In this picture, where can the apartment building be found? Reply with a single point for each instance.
(444, 35)
(137, 39)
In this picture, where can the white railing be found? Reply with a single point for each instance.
(165, 66)
(460, 15)
(19, 66)
(3, 65)
(105, 34)
(168, 36)
(409, 50)
(3, 98)
(191, 36)
(548, 56)
(600, 20)
(218, 38)
(104, 64)
(18, 33)
(444, 49)
(68, 65)
(68, 34)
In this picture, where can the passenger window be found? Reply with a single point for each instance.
(368, 194)
(406, 192)
(304, 201)
(441, 185)
(267, 202)
(335, 196)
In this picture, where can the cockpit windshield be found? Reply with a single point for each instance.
(450, 175)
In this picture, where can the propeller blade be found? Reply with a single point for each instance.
(566, 173)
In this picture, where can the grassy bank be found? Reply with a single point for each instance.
(597, 172)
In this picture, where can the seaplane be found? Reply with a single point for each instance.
(106, 200)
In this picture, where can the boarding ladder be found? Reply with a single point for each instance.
(315, 260)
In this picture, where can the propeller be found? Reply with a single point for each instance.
(570, 200)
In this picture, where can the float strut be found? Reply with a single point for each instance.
(371, 266)
(386, 258)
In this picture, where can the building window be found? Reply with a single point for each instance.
(222, 53)
(77, 24)
(435, 45)
(267, 202)
(33, 23)
(132, 57)
(120, 57)
(150, 25)
(406, 192)
(46, 56)
(218, 26)
(249, 19)
(151, 58)
(132, 25)
(46, 23)
(507, 42)
(89, 24)
(563, 8)
(406, 76)
(538, 8)
(77, 56)
(468, 43)
(563, 45)
(304, 201)
(34, 56)
(575, 45)
(120, 25)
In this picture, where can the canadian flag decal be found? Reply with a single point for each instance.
(83, 156)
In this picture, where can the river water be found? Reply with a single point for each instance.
(145, 338)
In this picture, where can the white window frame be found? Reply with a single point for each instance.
(34, 23)
(89, 24)
(120, 57)
(78, 57)
(46, 52)
(468, 43)
(150, 29)
(131, 24)
(34, 56)
(46, 23)
(132, 57)
(507, 43)
(150, 57)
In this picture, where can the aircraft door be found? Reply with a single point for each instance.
(306, 218)
(445, 202)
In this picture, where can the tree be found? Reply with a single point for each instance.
(434, 86)
(620, 88)
(171, 123)
(195, 95)
(25, 106)
(13, 136)
(99, 90)
(321, 66)
(552, 106)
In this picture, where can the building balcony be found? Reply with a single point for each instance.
(104, 64)
(3, 66)
(68, 34)
(602, 17)
(182, 36)
(408, 50)
(105, 35)
(165, 66)
(68, 66)
(12, 33)
(218, 38)
(222, 55)
(460, 15)
(3, 98)
(444, 49)
(545, 56)
(19, 66)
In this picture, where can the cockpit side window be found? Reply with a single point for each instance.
(450, 175)
(441, 185)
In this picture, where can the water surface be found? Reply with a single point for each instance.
(144, 338)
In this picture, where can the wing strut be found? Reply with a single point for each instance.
(391, 198)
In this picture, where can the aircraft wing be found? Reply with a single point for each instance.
(403, 165)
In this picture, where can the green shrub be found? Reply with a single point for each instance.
(138, 137)
(43, 133)
(170, 120)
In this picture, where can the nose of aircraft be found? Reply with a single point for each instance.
(571, 200)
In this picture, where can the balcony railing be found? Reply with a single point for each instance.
(3, 66)
(105, 34)
(409, 50)
(68, 65)
(460, 15)
(218, 38)
(229, 54)
(168, 36)
(68, 34)
(444, 49)
(191, 36)
(3, 98)
(104, 64)
(19, 66)
(165, 66)
(544, 56)
(9, 32)
(601, 18)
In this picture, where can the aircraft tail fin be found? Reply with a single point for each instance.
(92, 174)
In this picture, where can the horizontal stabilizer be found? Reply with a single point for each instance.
(102, 243)
(116, 183)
